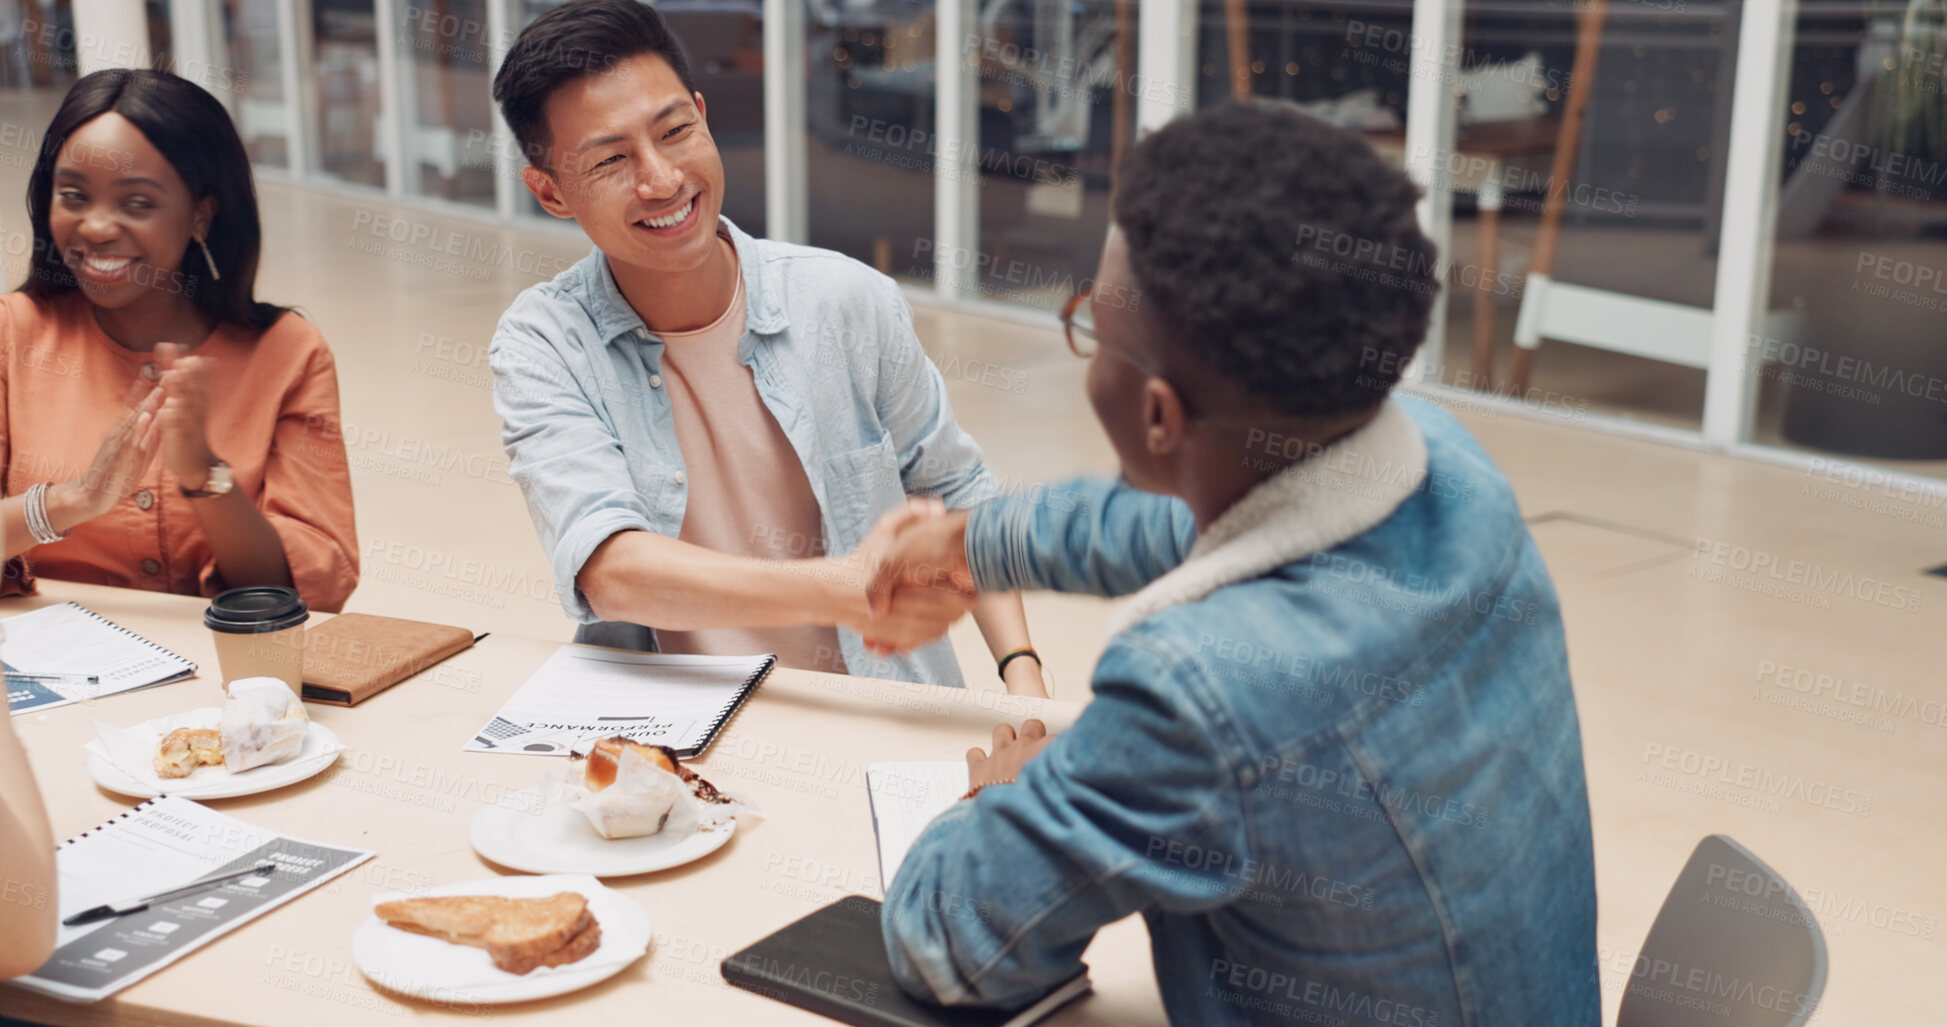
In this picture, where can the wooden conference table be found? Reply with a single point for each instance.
(799, 748)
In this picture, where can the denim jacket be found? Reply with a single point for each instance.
(1332, 757)
(830, 344)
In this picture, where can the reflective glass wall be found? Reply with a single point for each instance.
(256, 64)
(870, 131)
(344, 111)
(1346, 63)
(1057, 89)
(446, 87)
(1860, 251)
(37, 45)
(1586, 165)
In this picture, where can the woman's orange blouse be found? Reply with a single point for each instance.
(273, 417)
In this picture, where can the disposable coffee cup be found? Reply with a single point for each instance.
(259, 634)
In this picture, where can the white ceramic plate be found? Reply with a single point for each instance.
(427, 968)
(321, 749)
(524, 831)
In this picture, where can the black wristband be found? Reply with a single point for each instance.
(1009, 658)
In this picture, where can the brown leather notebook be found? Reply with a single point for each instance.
(354, 656)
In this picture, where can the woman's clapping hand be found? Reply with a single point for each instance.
(125, 453)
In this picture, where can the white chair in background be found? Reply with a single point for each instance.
(258, 118)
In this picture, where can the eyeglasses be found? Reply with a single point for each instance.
(1078, 324)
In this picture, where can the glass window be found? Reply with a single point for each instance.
(161, 51)
(37, 67)
(1602, 228)
(1348, 66)
(37, 47)
(1058, 88)
(257, 78)
(1853, 361)
(344, 93)
(869, 99)
(446, 76)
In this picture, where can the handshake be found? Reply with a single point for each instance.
(913, 570)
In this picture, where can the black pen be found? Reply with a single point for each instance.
(127, 906)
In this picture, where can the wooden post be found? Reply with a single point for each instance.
(1588, 46)
(1487, 253)
(1237, 27)
(1125, 66)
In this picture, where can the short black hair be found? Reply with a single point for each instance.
(1281, 253)
(193, 132)
(580, 37)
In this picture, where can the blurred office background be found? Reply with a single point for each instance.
(1789, 244)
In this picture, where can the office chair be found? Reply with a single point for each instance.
(1733, 946)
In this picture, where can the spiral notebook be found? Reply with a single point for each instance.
(161, 844)
(584, 693)
(68, 639)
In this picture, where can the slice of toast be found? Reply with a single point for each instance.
(578, 947)
(460, 919)
(520, 934)
(532, 934)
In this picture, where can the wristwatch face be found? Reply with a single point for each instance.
(220, 483)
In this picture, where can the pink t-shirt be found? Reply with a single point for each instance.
(748, 493)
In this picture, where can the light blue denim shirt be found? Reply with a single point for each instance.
(1349, 790)
(830, 344)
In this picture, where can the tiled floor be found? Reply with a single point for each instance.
(1677, 656)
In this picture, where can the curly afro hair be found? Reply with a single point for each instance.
(1281, 253)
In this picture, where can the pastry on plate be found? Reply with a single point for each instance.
(263, 722)
(627, 790)
(521, 935)
(606, 758)
(183, 750)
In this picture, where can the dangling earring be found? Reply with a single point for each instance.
(215, 275)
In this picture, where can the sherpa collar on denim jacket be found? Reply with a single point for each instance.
(1340, 492)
